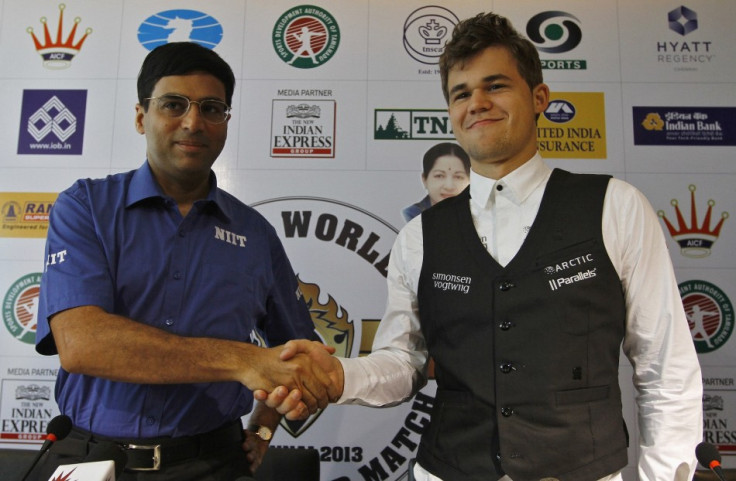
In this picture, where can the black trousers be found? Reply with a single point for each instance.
(227, 462)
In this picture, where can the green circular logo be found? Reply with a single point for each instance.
(20, 307)
(306, 36)
(709, 314)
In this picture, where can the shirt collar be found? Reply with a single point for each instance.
(143, 186)
(518, 184)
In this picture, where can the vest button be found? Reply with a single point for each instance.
(506, 411)
(505, 325)
(506, 367)
(506, 285)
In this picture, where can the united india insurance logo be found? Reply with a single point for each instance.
(306, 36)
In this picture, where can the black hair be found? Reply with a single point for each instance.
(181, 58)
(441, 149)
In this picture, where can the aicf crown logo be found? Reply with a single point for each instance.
(58, 54)
(20, 308)
(306, 36)
(695, 239)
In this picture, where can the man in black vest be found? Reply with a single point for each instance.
(523, 289)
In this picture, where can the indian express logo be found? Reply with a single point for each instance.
(555, 32)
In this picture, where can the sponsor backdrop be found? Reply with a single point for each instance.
(335, 104)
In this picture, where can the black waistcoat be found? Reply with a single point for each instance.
(526, 355)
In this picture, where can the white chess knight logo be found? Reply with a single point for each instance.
(53, 117)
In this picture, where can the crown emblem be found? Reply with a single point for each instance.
(432, 32)
(58, 54)
(695, 240)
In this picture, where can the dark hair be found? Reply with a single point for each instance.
(473, 35)
(441, 149)
(181, 58)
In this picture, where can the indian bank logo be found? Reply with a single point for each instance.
(695, 238)
(57, 52)
(426, 30)
(306, 36)
(20, 307)
(682, 20)
(180, 26)
(709, 314)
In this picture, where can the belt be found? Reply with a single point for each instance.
(154, 454)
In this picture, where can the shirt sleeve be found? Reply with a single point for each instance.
(288, 316)
(76, 271)
(396, 368)
(657, 342)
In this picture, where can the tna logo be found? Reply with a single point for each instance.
(407, 124)
(695, 240)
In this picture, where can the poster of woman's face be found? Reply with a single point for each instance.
(445, 173)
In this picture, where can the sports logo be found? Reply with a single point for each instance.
(303, 128)
(52, 122)
(682, 20)
(412, 124)
(180, 26)
(426, 30)
(554, 31)
(709, 314)
(58, 53)
(306, 36)
(695, 239)
(20, 307)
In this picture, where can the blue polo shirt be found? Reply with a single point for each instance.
(121, 244)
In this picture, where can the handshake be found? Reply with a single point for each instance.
(297, 378)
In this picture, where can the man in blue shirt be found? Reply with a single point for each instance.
(161, 293)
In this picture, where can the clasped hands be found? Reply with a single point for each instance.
(316, 379)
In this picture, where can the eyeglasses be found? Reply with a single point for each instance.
(175, 106)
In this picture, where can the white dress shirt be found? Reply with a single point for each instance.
(657, 341)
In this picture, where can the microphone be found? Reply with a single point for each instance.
(57, 429)
(709, 457)
(105, 462)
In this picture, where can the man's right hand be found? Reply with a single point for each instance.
(291, 403)
(297, 371)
